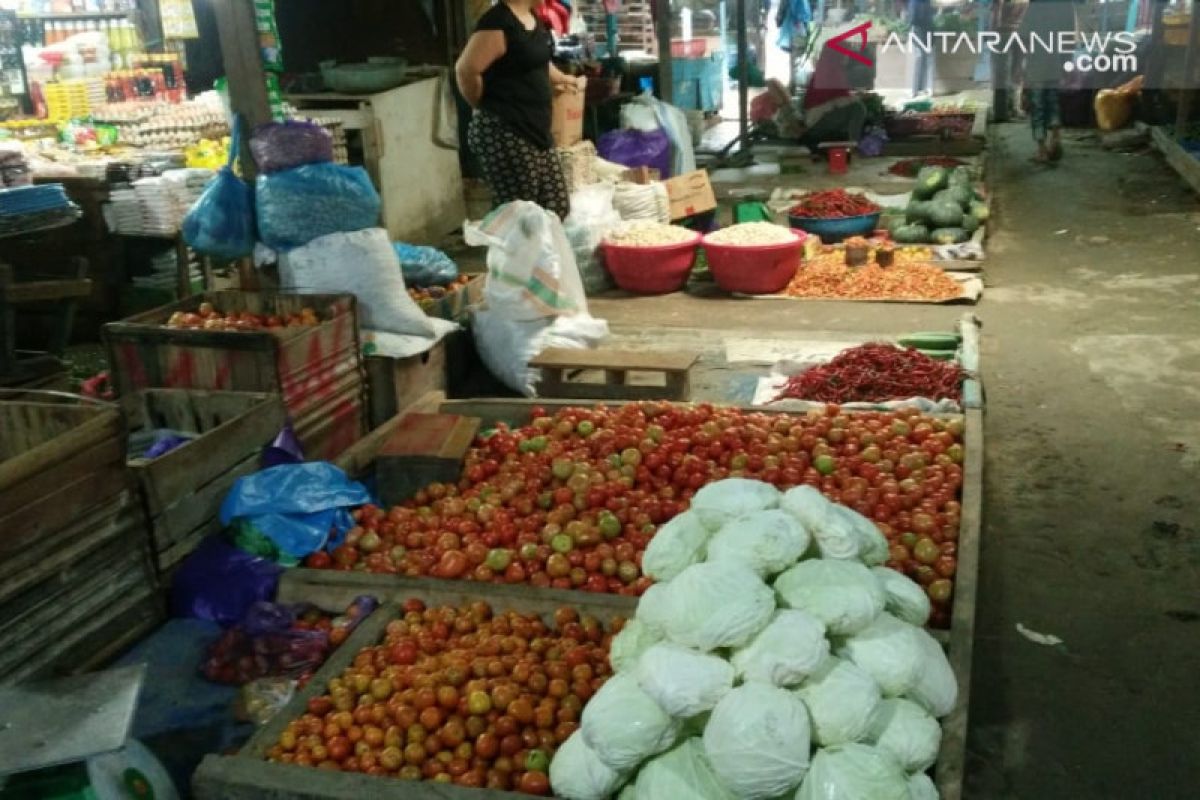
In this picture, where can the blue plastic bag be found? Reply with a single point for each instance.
(219, 582)
(221, 223)
(633, 148)
(425, 266)
(296, 506)
(298, 205)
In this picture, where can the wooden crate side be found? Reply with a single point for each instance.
(314, 387)
(326, 431)
(397, 383)
(196, 509)
(951, 764)
(25, 425)
(108, 453)
(334, 590)
(247, 424)
(166, 561)
(47, 555)
(42, 518)
(357, 460)
(142, 361)
(105, 424)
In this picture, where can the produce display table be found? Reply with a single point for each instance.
(317, 369)
(674, 367)
(76, 580)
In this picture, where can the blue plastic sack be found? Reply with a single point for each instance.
(425, 266)
(219, 582)
(298, 205)
(296, 506)
(221, 222)
(632, 148)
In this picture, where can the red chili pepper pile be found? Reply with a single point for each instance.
(909, 167)
(874, 373)
(833, 204)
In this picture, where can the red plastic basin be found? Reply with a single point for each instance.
(754, 269)
(659, 269)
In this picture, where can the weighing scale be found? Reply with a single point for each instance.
(68, 739)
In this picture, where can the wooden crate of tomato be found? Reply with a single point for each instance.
(939, 547)
(76, 580)
(182, 489)
(540, 697)
(452, 300)
(302, 346)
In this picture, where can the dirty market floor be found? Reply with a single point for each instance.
(1091, 356)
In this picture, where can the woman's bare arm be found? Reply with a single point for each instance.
(482, 50)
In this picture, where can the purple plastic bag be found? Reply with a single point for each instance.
(285, 449)
(220, 582)
(165, 445)
(632, 148)
(282, 145)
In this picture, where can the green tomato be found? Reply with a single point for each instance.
(561, 468)
(585, 428)
(824, 464)
(537, 761)
(498, 559)
(537, 444)
(562, 543)
(610, 526)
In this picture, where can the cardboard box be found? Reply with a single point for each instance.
(566, 116)
(690, 194)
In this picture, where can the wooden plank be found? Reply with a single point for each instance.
(245, 423)
(108, 453)
(43, 517)
(604, 392)
(196, 509)
(1180, 160)
(40, 291)
(242, 54)
(603, 358)
(951, 764)
(105, 423)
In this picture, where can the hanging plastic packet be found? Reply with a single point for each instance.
(268, 35)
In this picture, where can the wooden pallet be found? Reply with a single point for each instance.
(674, 367)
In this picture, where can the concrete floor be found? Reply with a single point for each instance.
(1092, 373)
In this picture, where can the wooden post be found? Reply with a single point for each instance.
(662, 30)
(1188, 92)
(244, 71)
(743, 77)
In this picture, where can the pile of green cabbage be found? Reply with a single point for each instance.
(774, 658)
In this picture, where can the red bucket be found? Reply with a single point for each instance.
(651, 269)
(755, 269)
(839, 160)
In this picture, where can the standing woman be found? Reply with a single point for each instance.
(505, 74)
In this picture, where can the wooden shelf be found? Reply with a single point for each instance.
(79, 15)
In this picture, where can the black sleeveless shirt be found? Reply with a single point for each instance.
(516, 87)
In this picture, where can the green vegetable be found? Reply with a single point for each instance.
(930, 181)
(917, 210)
(969, 223)
(945, 214)
(948, 235)
(962, 194)
(938, 355)
(979, 210)
(913, 233)
(930, 340)
(894, 222)
(960, 173)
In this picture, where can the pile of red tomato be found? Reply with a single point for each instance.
(456, 695)
(571, 499)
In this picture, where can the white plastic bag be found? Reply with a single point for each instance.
(534, 296)
(841, 700)
(791, 647)
(724, 501)
(920, 787)
(889, 651)
(635, 201)
(682, 773)
(904, 729)
(647, 113)
(842, 594)
(652, 610)
(766, 541)
(683, 682)
(675, 546)
(906, 600)
(936, 689)
(365, 264)
(757, 741)
(577, 773)
(592, 218)
(872, 546)
(854, 772)
(715, 604)
(805, 504)
(624, 726)
(628, 645)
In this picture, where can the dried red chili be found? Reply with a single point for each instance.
(833, 204)
(874, 373)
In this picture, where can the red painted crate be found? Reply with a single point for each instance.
(317, 369)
